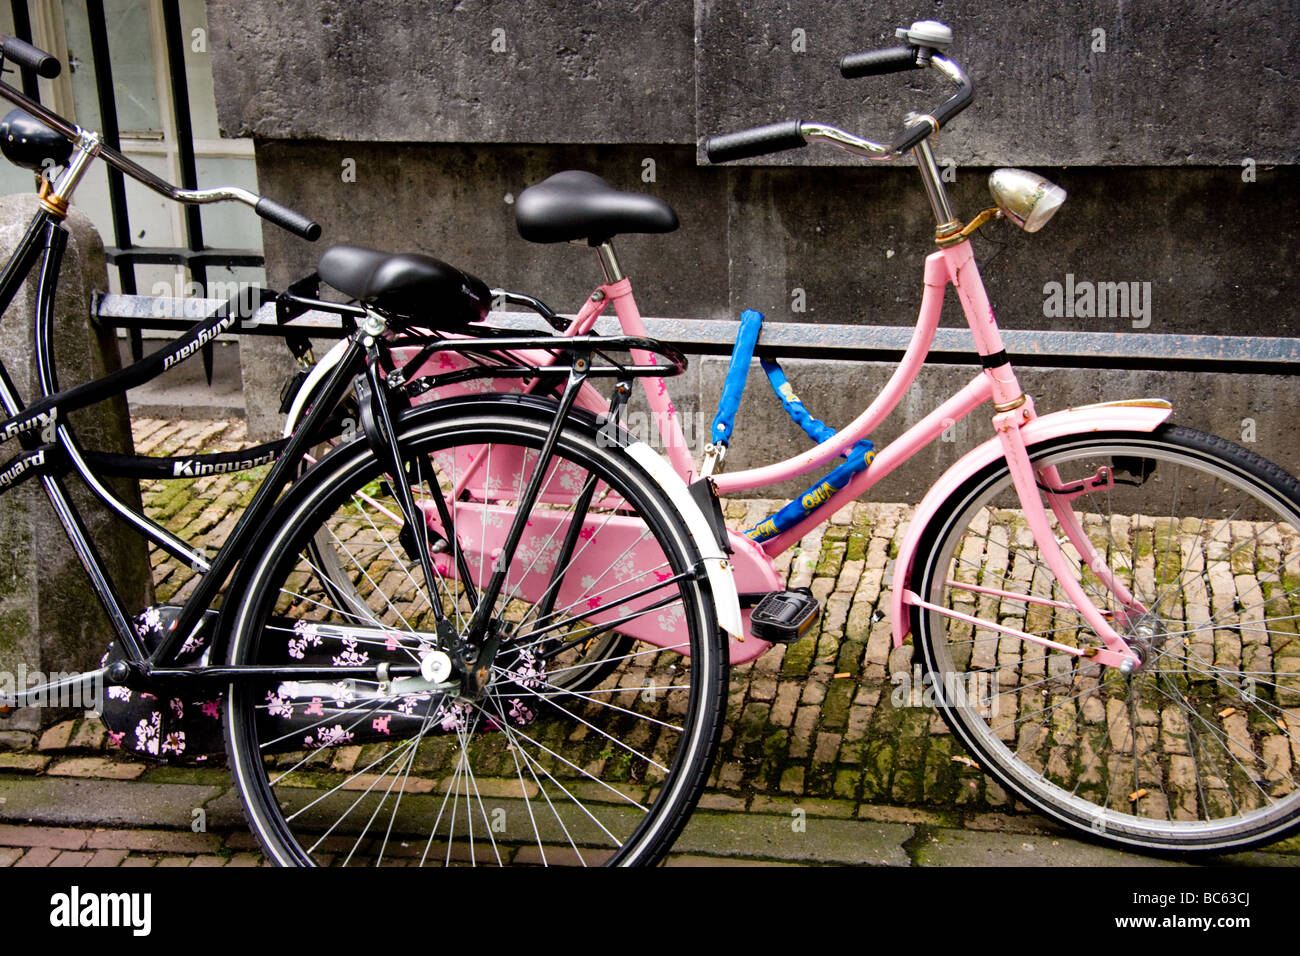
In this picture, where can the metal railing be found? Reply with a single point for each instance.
(1249, 354)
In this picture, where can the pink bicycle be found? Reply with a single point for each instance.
(1104, 604)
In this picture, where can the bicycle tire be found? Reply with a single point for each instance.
(627, 760)
(1193, 751)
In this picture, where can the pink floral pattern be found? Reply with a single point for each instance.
(519, 713)
(278, 706)
(453, 717)
(305, 636)
(350, 656)
(146, 734)
(167, 728)
(327, 737)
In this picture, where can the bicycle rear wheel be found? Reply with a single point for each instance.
(1195, 750)
(584, 665)
(530, 770)
(581, 666)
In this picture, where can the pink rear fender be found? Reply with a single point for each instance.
(1116, 416)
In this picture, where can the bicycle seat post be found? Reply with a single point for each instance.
(609, 262)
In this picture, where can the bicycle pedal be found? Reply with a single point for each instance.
(783, 617)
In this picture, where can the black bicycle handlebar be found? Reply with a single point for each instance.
(955, 104)
(302, 226)
(949, 108)
(29, 57)
(758, 141)
(779, 136)
(879, 62)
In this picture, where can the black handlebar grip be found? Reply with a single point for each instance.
(287, 218)
(946, 111)
(758, 141)
(878, 62)
(26, 55)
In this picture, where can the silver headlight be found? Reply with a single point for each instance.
(1025, 198)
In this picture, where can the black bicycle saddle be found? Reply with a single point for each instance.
(407, 284)
(580, 205)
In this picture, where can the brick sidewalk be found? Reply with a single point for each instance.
(812, 736)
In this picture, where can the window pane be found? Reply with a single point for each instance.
(230, 225)
(130, 45)
(151, 216)
(198, 69)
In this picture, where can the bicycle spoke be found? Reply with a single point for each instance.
(517, 752)
(585, 696)
(522, 736)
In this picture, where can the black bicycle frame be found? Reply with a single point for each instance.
(58, 452)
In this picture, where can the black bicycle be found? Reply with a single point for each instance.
(396, 636)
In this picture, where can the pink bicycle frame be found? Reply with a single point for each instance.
(997, 382)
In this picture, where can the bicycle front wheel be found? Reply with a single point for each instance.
(1197, 748)
(526, 768)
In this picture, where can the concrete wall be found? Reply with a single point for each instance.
(1218, 252)
(398, 126)
(477, 71)
(1177, 82)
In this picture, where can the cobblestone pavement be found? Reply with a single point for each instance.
(817, 764)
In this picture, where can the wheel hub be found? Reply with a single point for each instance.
(474, 660)
(1145, 636)
(512, 672)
